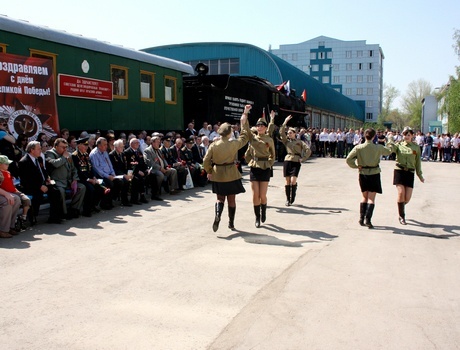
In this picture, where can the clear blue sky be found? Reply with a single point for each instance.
(415, 36)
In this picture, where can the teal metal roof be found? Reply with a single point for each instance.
(255, 61)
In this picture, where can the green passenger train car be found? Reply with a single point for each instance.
(147, 90)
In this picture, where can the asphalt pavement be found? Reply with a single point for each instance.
(157, 277)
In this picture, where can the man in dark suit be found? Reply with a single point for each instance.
(120, 167)
(177, 160)
(141, 174)
(94, 189)
(36, 182)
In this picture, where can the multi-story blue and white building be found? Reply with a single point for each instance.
(353, 68)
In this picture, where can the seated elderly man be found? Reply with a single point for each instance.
(94, 189)
(36, 182)
(64, 173)
(9, 207)
(141, 174)
(192, 160)
(160, 168)
(120, 167)
(103, 169)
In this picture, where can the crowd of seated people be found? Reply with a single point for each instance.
(83, 173)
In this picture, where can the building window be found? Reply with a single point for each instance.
(305, 68)
(336, 67)
(120, 81)
(294, 56)
(325, 80)
(321, 55)
(321, 43)
(313, 55)
(337, 89)
(359, 53)
(315, 68)
(348, 79)
(336, 79)
(370, 91)
(329, 54)
(284, 56)
(371, 53)
(348, 91)
(170, 90)
(348, 54)
(360, 78)
(370, 65)
(317, 78)
(360, 66)
(369, 116)
(349, 66)
(147, 86)
(359, 91)
(370, 78)
(326, 67)
(369, 104)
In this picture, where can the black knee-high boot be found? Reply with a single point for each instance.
(287, 188)
(219, 207)
(293, 193)
(263, 212)
(369, 212)
(231, 217)
(362, 213)
(257, 212)
(402, 213)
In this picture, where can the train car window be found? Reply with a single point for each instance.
(147, 86)
(46, 55)
(170, 90)
(119, 77)
(3, 48)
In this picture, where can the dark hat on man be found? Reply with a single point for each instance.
(165, 138)
(191, 139)
(83, 140)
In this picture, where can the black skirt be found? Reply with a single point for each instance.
(370, 183)
(291, 168)
(402, 177)
(228, 188)
(258, 174)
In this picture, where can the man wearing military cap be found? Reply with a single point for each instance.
(94, 191)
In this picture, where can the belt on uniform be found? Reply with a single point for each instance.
(369, 167)
(224, 164)
(261, 159)
(402, 167)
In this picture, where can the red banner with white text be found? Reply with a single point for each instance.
(27, 95)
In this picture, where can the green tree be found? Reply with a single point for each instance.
(412, 101)
(452, 103)
(390, 93)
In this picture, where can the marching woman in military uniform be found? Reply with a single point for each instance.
(297, 152)
(260, 156)
(366, 158)
(219, 163)
(408, 161)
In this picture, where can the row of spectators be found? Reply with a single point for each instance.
(81, 176)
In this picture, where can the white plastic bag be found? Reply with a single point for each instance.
(188, 180)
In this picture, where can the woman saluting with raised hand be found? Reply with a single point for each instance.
(408, 162)
(260, 156)
(219, 163)
(297, 152)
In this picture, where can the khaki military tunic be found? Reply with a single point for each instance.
(366, 156)
(219, 160)
(408, 156)
(297, 150)
(261, 151)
